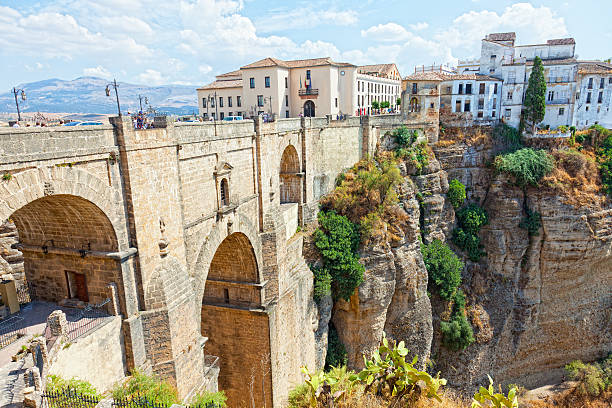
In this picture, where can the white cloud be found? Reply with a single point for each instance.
(532, 25)
(386, 32)
(419, 26)
(98, 71)
(151, 77)
(204, 69)
(304, 18)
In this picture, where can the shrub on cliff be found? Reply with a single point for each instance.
(322, 282)
(465, 236)
(336, 352)
(149, 386)
(443, 267)
(604, 156)
(532, 222)
(404, 137)
(456, 193)
(457, 333)
(593, 379)
(528, 166)
(337, 239)
(366, 193)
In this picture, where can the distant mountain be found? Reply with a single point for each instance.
(86, 95)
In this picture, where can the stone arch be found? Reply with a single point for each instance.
(66, 228)
(32, 184)
(235, 323)
(290, 180)
(239, 223)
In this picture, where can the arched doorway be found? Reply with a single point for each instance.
(289, 176)
(65, 241)
(309, 109)
(414, 104)
(236, 324)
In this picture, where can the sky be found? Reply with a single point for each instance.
(188, 42)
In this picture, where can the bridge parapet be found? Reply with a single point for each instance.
(36, 144)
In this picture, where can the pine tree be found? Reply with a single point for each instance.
(535, 97)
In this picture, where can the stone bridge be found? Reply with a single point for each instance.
(196, 225)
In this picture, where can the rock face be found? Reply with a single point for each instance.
(537, 302)
(393, 297)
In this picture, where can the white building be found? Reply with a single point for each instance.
(311, 87)
(475, 94)
(501, 58)
(593, 95)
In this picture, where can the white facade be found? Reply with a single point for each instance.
(469, 93)
(566, 100)
(303, 87)
(593, 95)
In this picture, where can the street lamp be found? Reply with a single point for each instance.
(108, 92)
(146, 101)
(17, 91)
(213, 97)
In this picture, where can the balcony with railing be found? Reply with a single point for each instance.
(308, 93)
(558, 79)
(557, 101)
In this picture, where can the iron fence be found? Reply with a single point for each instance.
(11, 330)
(144, 402)
(68, 398)
(86, 320)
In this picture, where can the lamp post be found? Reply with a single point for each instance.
(17, 91)
(146, 101)
(114, 85)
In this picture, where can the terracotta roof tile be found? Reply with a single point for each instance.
(266, 62)
(594, 67)
(237, 83)
(511, 36)
(230, 74)
(561, 41)
(440, 76)
(383, 69)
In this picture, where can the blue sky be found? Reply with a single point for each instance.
(189, 41)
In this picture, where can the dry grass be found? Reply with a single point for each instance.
(571, 399)
(576, 178)
(472, 136)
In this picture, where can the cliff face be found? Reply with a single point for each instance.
(535, 303)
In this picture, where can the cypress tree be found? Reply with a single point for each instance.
(535, 97)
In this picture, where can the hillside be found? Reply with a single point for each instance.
(86, 95)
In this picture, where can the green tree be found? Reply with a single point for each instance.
(398, 102)
(385, 104)
(535, 96)
(375, 105)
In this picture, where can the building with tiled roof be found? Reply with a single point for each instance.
(512, 63)
(290, 88)
(593, 97)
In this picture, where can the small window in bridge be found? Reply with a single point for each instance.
(224, 193)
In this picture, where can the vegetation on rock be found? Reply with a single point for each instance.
(336, 352)
(456, 193)
(528, 166)
(443, 267)
(366, 194)
(532, 222)
(470, 219)
(337, 239)
(593, 379)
